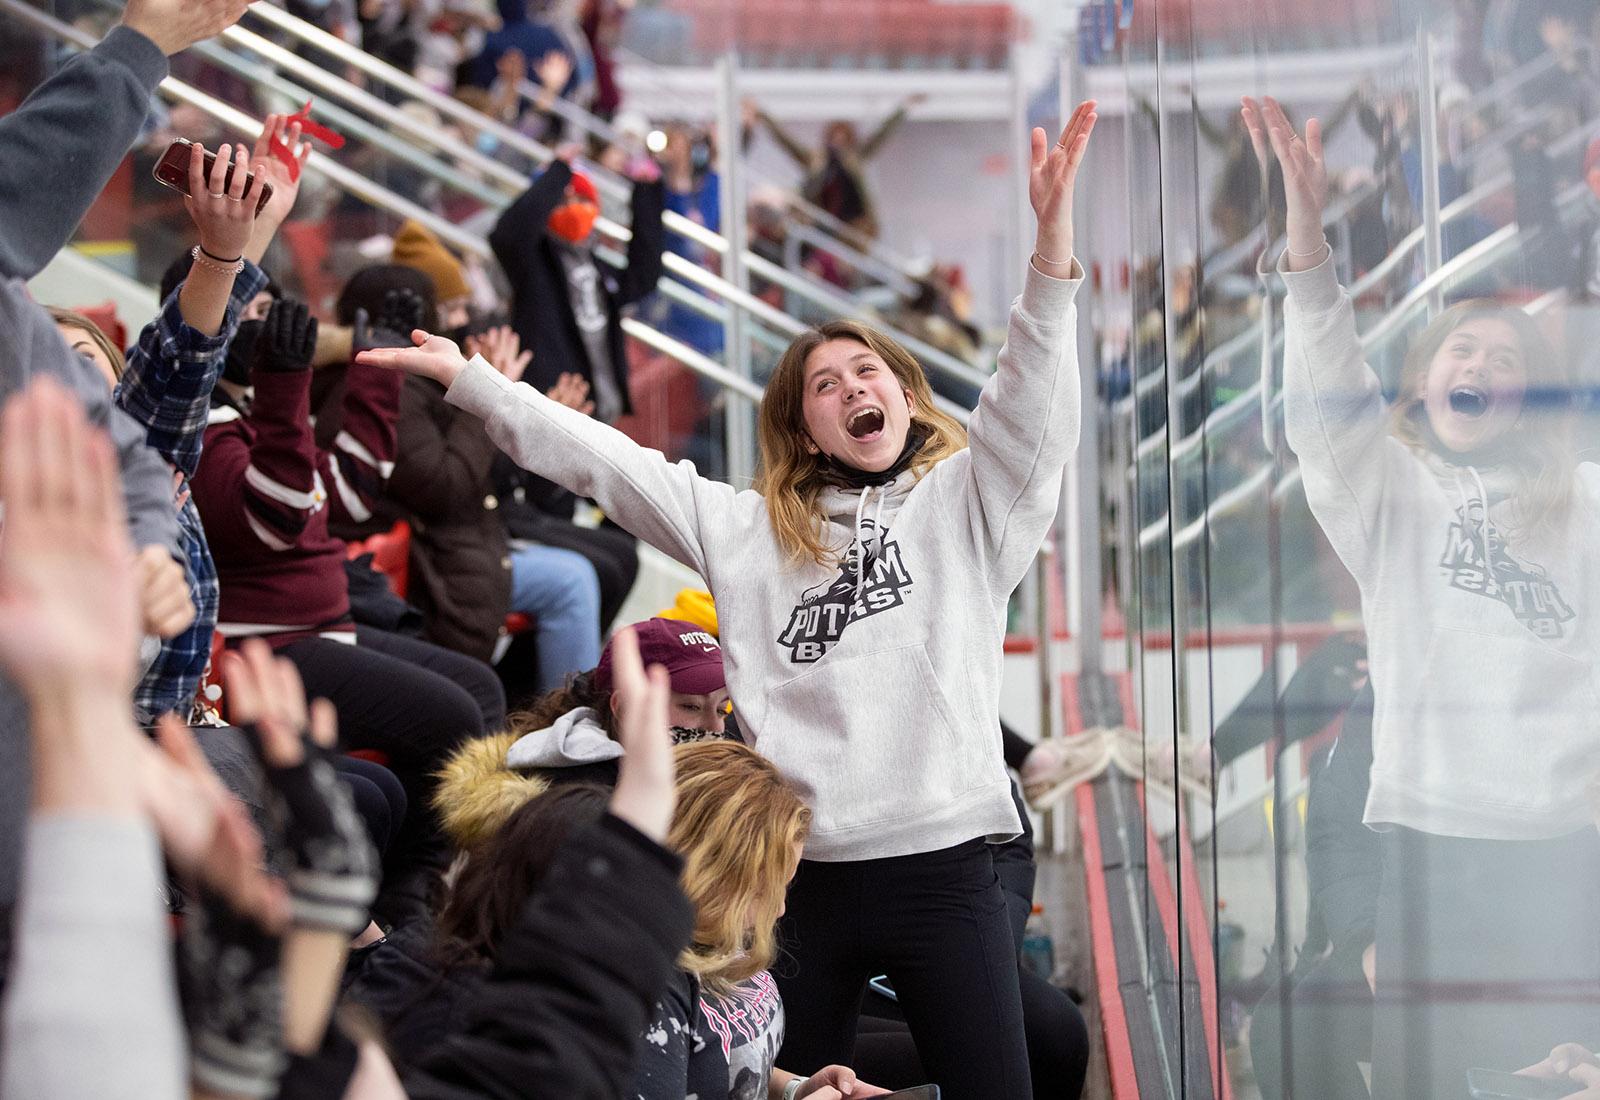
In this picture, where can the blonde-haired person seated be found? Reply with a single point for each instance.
(740, 828)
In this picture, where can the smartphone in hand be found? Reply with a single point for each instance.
(173, 171)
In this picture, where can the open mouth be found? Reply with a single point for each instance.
(1469, 401)
(865, 425)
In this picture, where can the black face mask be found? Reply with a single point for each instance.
(683, 735)
(241, 353)
(846, 476)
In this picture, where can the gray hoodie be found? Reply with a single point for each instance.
(574, 738)
(876, 690)
(1486, 721)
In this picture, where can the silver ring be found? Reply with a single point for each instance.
(217, 194)
(232, 199)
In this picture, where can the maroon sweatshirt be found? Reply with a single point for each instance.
(265, 494)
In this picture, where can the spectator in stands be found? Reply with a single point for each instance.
(566, 303)
(534, 28)
(693, 189)
(835, 174)
(94, 960)
(1586, 288)
(1483, 730)
(265, 493)
(464, 576)
(853, 447)
(73, 132)
(939, 313)
(570, 735)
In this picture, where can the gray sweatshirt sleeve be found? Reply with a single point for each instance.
(1025, 428)
(1335, 418)
(66, 139)
(30, 345)
(666, 504)
(91, 1008)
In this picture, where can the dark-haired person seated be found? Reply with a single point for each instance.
(265, 494)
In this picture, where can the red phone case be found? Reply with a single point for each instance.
(172, 170)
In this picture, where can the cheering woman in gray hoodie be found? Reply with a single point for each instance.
(862, 588)
(1464, 516)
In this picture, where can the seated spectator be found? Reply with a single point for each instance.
(534, 28)
(74, 131)
(569, 735)
(465, 576)
(265, 494)
(94, 959)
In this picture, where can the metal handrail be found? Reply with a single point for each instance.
(346, 121)
(932, 357)
(384, 199)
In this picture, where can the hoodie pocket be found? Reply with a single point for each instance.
(1496, 719)
(871, 739)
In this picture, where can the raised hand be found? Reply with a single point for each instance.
(205, 832)
(503, 348)
(645, 795)
(288, 338)
(434, 357)
(1305, 175)
(164, 603)
(554, 70)
(334, 872)
(175, 25)
(285, 183)
(69, 609)
(224, 211)
(1052, 180)
(572, 391)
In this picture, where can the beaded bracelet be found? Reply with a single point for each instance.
(216, 263)
(1317, 251)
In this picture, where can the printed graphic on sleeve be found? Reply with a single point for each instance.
(820, 618)
(1524, 588)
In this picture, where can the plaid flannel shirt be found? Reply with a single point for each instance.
(167, 388)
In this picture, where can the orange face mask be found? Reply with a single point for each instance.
(574, 221)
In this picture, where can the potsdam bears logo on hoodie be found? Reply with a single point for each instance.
(1526, 589)
(822, 614)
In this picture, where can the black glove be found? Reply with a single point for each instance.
(232, 999)
(288, 338)
(403, 310)
(333, 875)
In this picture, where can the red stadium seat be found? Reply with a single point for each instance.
(391, 555)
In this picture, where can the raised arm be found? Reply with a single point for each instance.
(666, 504)
(1027, 421)
(886, 128)
(522, 224)
(1335, 417)
(804, 157)
(174, 366)
(648, 242)
(265, 490)
(63, 143)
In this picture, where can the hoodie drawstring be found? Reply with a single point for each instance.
(861, 544)
(1483, 528)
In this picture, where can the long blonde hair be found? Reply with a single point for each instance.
(1541, 454)
(736, 826)
(791, 478)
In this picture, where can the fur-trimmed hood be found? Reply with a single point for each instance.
(477, 792)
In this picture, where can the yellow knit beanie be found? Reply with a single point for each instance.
(416, 248)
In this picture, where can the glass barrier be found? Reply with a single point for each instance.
(1357, 535)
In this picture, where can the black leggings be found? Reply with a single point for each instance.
(379, 797)
(409, 699)
(937, 924)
